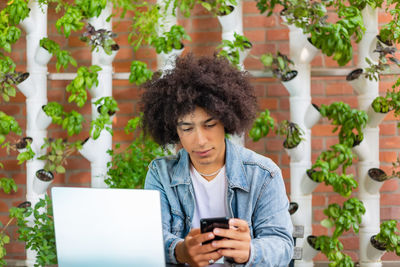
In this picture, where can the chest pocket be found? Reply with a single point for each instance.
(177, 223)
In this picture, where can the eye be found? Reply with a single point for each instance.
(210, 125)
(187, 129)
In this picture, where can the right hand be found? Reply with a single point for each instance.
(192, 252)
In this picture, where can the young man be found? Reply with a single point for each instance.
(195, 105)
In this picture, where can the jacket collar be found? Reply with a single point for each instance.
(233, 166)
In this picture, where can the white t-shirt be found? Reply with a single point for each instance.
(210, 196)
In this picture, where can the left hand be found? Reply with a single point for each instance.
(236, 242)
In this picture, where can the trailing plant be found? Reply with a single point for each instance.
(70, 121)
(40, 236)
(390, 32)
(231, 49)
(261, 126)
(8, 78)
(58, 150)
(128, 169)
(348, 119)
(280, 66)
(8, 185)
(8, 124)
(63, 57)
(343, 219)
(219, 7)
(292, 133)
(139, 73)
(386, 53)
(101, 37)
(108, 106)
(389, 102)
(389, 236)
(170, 40)
(86, 78)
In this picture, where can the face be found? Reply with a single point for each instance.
(203, 137)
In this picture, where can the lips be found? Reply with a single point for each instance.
(203, 153)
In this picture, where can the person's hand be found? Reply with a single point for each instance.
(192, 251)
(236, 242)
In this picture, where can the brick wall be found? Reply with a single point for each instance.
(267, 34)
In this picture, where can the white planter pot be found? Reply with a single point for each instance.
(374, 254)
(360, 84)
(230, 24)
(371, 185)
(27, 87)
(167, 61)
(42, 56)
(96, 150)
(242, 56)
(307, 52)
(362, 150)
(308, 251)
(42, 120)
(374, 118)
(102, 58)
(296, 153)
(27, 24)
(307, 184)
(312, 116)
(40, 186)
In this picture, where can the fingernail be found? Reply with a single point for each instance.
(231, 221)
(210, 235)
(216, 231)
(214, 244)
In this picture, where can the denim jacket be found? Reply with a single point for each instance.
(255, 193)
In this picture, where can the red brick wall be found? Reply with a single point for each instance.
(267, 34)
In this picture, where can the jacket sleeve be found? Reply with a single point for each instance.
(153, 182)
(272, 244)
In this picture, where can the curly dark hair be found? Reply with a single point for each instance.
(211, 83)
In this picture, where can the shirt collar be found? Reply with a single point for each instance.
(233, 166)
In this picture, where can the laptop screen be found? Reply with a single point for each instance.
(107, 227)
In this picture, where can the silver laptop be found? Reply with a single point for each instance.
(107, 227)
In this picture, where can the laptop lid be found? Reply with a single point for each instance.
(107, 227)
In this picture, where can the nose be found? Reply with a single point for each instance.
(201, 137)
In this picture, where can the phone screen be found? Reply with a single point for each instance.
(208, 225)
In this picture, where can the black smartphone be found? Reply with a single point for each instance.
(208, 225)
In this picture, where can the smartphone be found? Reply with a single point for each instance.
(208, 225)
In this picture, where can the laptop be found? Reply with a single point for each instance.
(107, 227)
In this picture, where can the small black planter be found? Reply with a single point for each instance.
(388, 42)
(110, 113)
(285, 145)
(25, 204)
(114, 47)
(288, 76)
(377, 244)
(231, 8)
(293, 207)
(84, 141)
(355, 74)
(312, 239)
(377, 174)
(44, 176)
(23, 142)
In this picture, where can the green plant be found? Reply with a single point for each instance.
(343, 219)
(70, 21)
(27, 154)
(230, 49)
(70, 121)
(170, 40)
(292, 133)
(348, 119)
(8, 124)
(389, 236)
(139, 73)
(39, 236)
(389, 102)
(218, 7)
(58, 150)
(108, 106)
(279, 65)
(128, 169)
(390, 32)
(261, 126)
(8, 184)
(9, 78)
(63, 57)
(85, 79)
(373, 70)
(100, 37)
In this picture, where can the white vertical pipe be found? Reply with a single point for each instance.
(299, 88)
(371, 219)
(36, 28)
(104, 89)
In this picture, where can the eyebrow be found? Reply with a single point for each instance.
(183, 123)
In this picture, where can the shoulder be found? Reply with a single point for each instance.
(255, 161)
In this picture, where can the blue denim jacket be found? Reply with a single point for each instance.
(256, 194)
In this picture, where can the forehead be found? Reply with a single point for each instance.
(197, 115)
